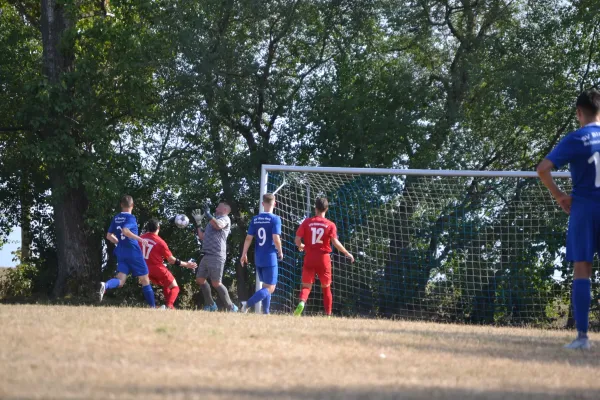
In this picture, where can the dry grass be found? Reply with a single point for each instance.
(124, 353)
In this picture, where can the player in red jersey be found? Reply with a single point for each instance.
(318, 233)
(155, 253)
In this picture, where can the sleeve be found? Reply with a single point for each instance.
(300, 231)
(333, 231)
(277, 226)
(252, 228)
(223, 222)
(112, 228)
(565, 151)
(166, 252)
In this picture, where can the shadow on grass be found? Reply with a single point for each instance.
(496, 344)
(375, 393)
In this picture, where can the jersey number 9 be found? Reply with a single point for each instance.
(262, 236)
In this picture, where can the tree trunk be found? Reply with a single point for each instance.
(78, 251)
(25, 219)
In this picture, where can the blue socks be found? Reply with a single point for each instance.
(149, 295)
(582, 299)
(112, 283)
(256, 297)
(267, 303)
(262, 295)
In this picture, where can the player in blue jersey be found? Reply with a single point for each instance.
(267, 227)
(581, 150)
(123, 232)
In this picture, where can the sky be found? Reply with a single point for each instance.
(14, 242)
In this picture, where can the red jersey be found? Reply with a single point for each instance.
(156, 252)
(317, 232)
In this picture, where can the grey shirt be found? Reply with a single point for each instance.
(215, 240)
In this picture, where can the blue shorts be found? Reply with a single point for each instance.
(267, 275)
(583, 236)
(134, 265)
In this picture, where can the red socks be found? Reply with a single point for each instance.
(170, 295)
(327, 300)
(304, 292)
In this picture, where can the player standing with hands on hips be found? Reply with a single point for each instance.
(581, 150)
(267, 226)
(317, 233)
(214, 237)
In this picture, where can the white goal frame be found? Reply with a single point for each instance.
(266, 168)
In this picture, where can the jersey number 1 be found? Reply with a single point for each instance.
(317, 235)
(596, 160)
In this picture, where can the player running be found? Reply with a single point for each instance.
(130, 260)
(215, 252)
(267, 226)
(317, 233)
(581, 150)
(155, 252)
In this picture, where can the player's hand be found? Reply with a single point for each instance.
(301, 247)
(351, 257)
(197, 214)
(280, 256)
(144, 242)
(191, 265)
(564, 201)
(207, 213)
(244, 260)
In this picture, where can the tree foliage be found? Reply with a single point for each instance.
(177, 102)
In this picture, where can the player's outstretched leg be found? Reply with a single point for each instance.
(113, 283)
(209, 304)
(171, 292)
(147, 290)
(304, 292)
(224, 295)
(257, 297)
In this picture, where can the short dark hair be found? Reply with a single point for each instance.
(269, 198)
(321, 204)
(152, 225)
(126, 201)
(589, 102)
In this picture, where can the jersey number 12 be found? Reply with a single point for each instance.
(317, 235)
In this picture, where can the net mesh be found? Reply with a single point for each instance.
(461, 249)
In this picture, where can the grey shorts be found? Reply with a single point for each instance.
(211, 266)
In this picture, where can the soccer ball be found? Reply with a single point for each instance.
(181, 221)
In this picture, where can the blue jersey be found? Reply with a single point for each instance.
(581, 150)
(264, 226)
(126, 246)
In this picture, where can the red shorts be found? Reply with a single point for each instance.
(318, 264)
(160, 276)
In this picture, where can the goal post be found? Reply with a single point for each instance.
(462, 246)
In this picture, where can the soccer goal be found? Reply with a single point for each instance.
(463, 246)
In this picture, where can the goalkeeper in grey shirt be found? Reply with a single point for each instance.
(214, 238)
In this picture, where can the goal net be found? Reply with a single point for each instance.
(462, 246)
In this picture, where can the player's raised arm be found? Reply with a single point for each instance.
(247, 243)
(338, 245)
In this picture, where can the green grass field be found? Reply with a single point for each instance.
(126, 353)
